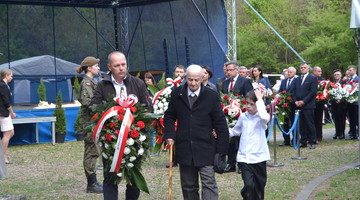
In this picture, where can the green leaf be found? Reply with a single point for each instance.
(152, 89)
(157, 148)
(139, 180)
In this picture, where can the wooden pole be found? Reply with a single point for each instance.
(170, 173)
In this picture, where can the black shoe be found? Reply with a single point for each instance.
(93, 185)
(335, 137)
(229, 169)
(303, 145)
(341, 137)
(174, 164)
(313, 146)
(284, 144)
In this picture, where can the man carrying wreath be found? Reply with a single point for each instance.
(117, 83)
(197, 111)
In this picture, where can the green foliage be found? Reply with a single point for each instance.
(42, 90)
(77, 124)
(317, 29)
(162, 81)
(76, 87)
(59, 113)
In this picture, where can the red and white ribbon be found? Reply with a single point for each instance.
(354, 89)
(121, 141)
(127, 103)
(175, 82)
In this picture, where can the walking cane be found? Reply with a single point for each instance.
(170, 173)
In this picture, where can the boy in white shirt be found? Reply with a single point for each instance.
(253, 148)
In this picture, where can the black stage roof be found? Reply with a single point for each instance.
(84, 3)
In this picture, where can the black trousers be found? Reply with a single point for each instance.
(307, 127)
(318, 119)
(254, 177)
(110, 189)
(289, 121)
(338, 111)
(232, 151)
(353, 119)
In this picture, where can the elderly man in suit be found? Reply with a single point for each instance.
(197, 110)
(240, 85)
(288, 85)
(304, 98)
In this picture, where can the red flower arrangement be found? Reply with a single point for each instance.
(233, 106)
(136, 139)
(282, 102)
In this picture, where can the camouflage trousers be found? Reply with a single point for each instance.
(91, 154)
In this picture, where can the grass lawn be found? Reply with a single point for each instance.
(44, 171)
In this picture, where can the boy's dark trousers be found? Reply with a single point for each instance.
(254, 177)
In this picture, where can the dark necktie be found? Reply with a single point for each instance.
(192, 99)
(288, 84)
(231, 84)
(302, 79)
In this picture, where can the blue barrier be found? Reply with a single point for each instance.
(292, 129)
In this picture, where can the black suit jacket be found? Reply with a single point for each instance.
(306, 92)
(4, 99)
(242, 86)
(291, 86)
(194, 142)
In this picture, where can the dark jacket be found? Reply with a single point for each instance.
(4, 99)
(306, 92)
(134, 85)
(194, 142)
(242, 86)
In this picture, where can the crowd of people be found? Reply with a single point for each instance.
(202, 130)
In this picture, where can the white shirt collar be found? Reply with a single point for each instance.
(197, 92)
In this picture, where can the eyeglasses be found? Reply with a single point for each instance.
(303, 67)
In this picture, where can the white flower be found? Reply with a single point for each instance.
(127, 150)
(106, 146)
(132, 158)
(163, 100)
(155, 107)
(123, 161)
(119, 174)
(104, 155)
(160, 105)
(142, 138)
(283, 113)
(140, 151)
(281, 123)
(100, 144)
(130, 165)
(130, 142)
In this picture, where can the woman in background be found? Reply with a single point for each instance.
(87, 87)
(6, 111)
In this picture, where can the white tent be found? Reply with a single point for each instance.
(57, 74)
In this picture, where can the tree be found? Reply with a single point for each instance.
(42, 90)
(59, 113)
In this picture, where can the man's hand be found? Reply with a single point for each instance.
(299, 103)
(214, 133)
(170, 142)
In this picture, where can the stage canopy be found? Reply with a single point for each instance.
(155, 35)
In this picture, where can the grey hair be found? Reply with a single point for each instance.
(193, 68)
(292, 68)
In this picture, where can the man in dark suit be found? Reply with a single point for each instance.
(240, 85)
(235, 82)
(319, 110)
(221, 81)
(353, 108)
(288, 85)
(119, 82)
(197, 111)
(304, 98)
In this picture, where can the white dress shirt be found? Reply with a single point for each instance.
(253, 147)
(119, 88)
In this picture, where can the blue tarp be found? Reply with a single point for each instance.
(25, 133)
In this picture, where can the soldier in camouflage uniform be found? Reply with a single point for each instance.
(91, 68)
